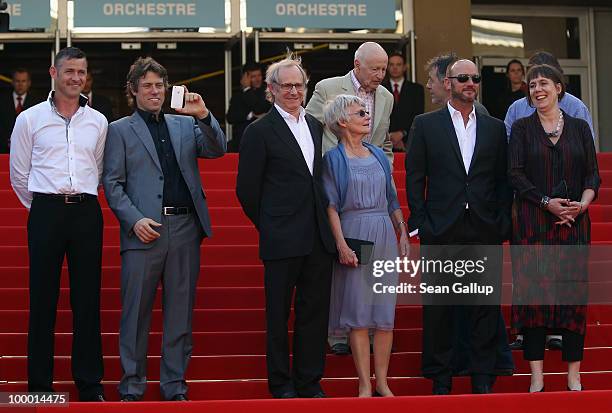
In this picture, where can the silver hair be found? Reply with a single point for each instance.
(337, 110)
(272, 74)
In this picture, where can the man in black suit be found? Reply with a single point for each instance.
(458, 195)
(12, 104)
(98, 102)
(408, 97)
(279, 187)
(248, 104)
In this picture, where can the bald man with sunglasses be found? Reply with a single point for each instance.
(458, 195)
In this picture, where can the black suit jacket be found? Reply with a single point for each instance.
(411, 104)
(103, 105)
(8, 117)
(277, 192)
(438, 187)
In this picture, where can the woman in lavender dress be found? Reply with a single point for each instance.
(362, 205)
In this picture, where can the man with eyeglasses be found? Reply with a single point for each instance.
(280, 189)
(458, 195)
(364, 80)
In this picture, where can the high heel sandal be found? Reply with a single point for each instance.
(538, 391)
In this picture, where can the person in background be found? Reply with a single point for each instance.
(364, 80)
(57, 150)
(99, 102)
(408, 100)
(552, 166)
(248, 104)
(13, 103)
(516, 88)
(362, 205)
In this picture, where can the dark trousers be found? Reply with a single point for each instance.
(535, 341)
(55, 230)
(481, 322)
(310, 277)
(504, 364)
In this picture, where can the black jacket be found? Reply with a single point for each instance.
(437, 186)
(8, 117)
(411, 104)
(277, 192)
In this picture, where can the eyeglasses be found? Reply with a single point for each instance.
(288, 87)
(362, 113)
(464, 78)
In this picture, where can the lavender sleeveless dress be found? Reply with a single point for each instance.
(364, 215)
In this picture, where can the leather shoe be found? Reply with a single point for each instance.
(555, 344)
(319, 395)
(289, 394)
(341, 349)
(441, 387)
(128, 398)
(95, 398)
(516, 344)
(179, 398)
(482, 389)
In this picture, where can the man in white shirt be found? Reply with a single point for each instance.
(57, 149)
(279, 187)
(458, 195)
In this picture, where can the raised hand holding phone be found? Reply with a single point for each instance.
(194, 105)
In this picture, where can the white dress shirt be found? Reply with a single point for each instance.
(301, 132)
(54, 155)
(466, 134)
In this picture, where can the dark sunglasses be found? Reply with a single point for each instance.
(465, 78)
(362, 113)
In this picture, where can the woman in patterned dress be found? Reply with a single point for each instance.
(553, 169)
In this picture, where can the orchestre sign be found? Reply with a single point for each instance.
(320, 14)
(29, 14)
(149, 13)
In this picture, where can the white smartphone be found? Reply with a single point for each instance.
(178, 97)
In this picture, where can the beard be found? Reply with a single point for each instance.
(455, 94)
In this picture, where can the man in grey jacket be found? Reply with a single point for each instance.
(152, 184)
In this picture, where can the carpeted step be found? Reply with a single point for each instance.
(401, 386)
(254, 366)
(16, 321)
(212, 343)
(223, 275)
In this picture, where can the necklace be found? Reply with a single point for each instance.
(354, 154)
(557, 130)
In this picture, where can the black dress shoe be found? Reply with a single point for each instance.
(318, 395)
(516, 344)
(95, 398)
(128, 398)
(179, 398)
(289, 394)
(482, 389)
(341, 349)
(555, 344)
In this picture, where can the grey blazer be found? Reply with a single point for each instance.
(328, 89)
(133, 178)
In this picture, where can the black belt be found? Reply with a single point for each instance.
(66, 198)
(176, 210)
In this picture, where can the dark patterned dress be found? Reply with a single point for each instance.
(550, 262)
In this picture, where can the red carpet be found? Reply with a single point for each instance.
(228, 363)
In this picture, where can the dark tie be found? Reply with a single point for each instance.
(19, 107)
(396, 94)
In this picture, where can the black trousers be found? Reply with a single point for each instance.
(482, 321)
(310, 278)
(55, 230)
(535, 341)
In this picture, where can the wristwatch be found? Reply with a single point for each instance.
(544, 202)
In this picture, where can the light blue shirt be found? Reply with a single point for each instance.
(570, 104)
